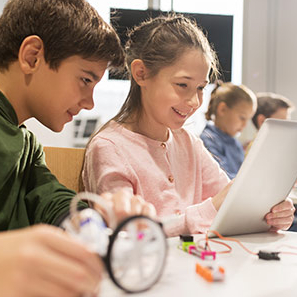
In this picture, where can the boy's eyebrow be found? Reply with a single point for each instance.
(94, 76)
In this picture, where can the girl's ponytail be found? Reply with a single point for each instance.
(213, 103)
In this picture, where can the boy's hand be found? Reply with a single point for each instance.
(281, 215)
(125, 204)
(45, 261)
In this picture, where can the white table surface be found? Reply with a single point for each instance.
(245, 274)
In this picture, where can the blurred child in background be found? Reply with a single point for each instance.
(270, 105)
(229, 110)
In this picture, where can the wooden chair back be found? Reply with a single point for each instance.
(66, 164)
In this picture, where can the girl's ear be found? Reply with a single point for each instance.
(31, 53)
(221, 108)
(138, 71)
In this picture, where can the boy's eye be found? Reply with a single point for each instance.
(86, 80)
(200, 88)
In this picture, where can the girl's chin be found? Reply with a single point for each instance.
(176, 127)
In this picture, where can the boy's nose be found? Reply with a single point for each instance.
(87, 103)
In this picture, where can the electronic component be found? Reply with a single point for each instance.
(203, 254)
(268, 255)
(188, 245)
(186, 237)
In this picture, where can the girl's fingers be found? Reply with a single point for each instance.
(281, 215)
(281, 223)
(125, 204)
(284, 205)
(122, 204)
(149, 210)
(136, 205)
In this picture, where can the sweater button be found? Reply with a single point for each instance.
(163, 145)
(171, 178)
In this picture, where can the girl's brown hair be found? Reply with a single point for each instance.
(231, 94)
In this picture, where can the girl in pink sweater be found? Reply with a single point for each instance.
(144, 147)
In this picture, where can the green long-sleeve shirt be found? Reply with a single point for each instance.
(29, 193)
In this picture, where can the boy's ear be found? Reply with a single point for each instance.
(260, 120)
(138, 71)
(30, 54)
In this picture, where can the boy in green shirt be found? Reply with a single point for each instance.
(52, 54)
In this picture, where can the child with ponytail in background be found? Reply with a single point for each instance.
(229, 110)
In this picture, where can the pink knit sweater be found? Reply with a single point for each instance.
(178, 176)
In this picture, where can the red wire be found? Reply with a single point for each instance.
(228, 239)
(207, 246)
(288, 253)
(222, 243)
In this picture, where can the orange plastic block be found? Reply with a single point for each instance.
(211, 273)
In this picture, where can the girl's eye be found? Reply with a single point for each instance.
(182, 85)
(86, 81)
(200, 88)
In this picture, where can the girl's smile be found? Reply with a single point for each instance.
(182, 114)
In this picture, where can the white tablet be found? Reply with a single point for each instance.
(265, 178)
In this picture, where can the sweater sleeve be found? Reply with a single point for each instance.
(105, 168)
(213, 179)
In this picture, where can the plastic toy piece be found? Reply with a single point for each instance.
(140, 235)
(190, 247)
(211, 273)
(186, 237)
(202, 254)
(186, 244)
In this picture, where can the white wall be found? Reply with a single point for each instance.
(269, 49)
(286, 50)
(2, 3)
(270, 46)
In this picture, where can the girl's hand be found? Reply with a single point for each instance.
(219, 198)
(125, 204)
(281, 215)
